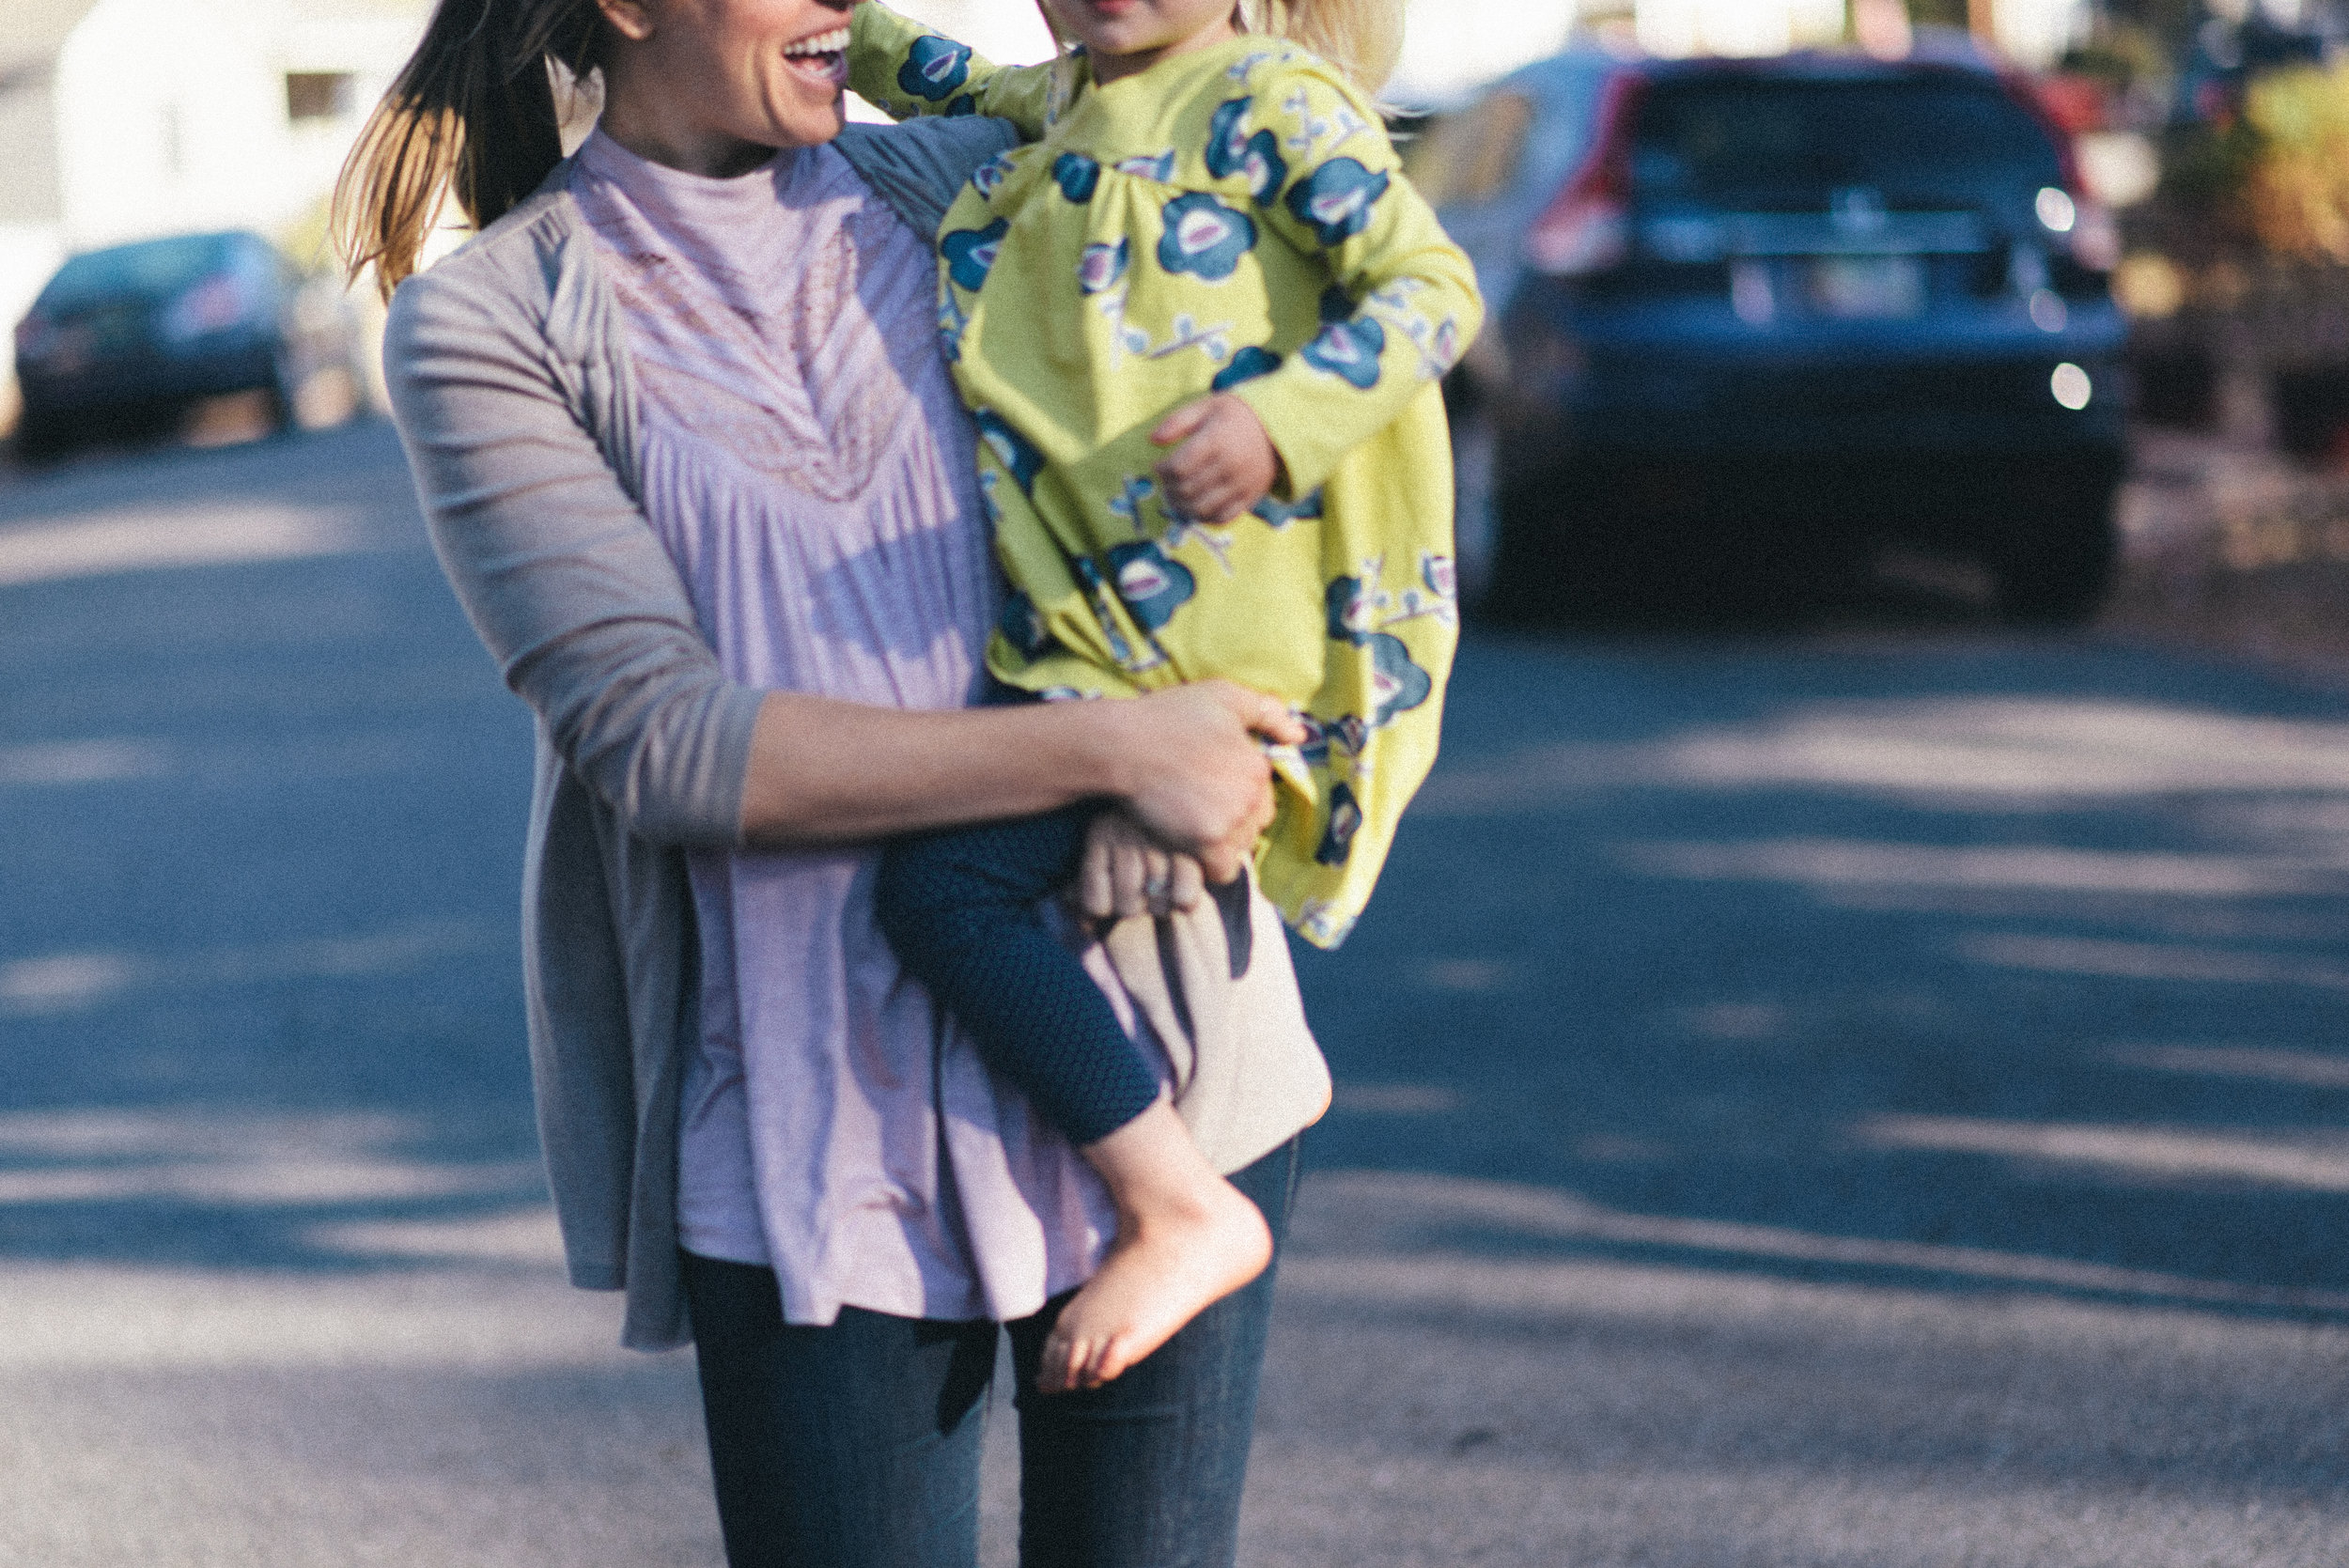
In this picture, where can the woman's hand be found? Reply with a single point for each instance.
(1197, 780)
(1128, 873)
(1222, 464)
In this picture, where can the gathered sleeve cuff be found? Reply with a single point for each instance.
(1403, 306)
(906, 69)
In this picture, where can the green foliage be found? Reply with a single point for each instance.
(2297, 187)
(2122, 56)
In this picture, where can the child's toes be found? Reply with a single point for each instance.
(1115, 1357)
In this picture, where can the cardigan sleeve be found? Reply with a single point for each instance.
(552, 559)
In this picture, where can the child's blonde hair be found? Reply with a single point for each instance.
(1363, 39)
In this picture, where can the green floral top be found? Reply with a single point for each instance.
(1233, 219)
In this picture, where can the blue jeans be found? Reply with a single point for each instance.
(857, 1444)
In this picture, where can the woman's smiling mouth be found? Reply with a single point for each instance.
(824, 56)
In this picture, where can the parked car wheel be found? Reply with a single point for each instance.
(284, 393)
(1476, 514)
(2056, 570)
(43, 438)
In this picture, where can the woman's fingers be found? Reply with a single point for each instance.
(1202, 785)
(1266, 716)
(1124, 873)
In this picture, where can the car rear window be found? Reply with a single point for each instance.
(152, 270)
(1757, 142)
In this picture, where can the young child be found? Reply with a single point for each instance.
(1200, 318)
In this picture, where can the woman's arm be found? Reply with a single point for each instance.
(573, 595)
(904, 69)
(1186, 763)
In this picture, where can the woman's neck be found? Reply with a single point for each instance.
(659, 131)
(1114, 68)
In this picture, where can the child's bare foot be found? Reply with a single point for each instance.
(1186, 1239)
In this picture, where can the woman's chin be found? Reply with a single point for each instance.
(808, 123)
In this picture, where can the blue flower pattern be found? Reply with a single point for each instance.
(1158, 166)
(1397, 683)
(988, 177)
(1205, 237)
(1280, 514)
(1348, 350)
(1078, 176)
(1152, 584)
(1230, 150)
(970, 253)
(1336, 198)
(934, 68)
(1102, 268)
(1208, 234)
(1345, 820)
(1024, 629)
(1250, 363)
(1017, 453)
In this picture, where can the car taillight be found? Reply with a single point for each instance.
(1587, 227)
(213, 305)
(2079, 224)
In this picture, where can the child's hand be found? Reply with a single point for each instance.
(1222, 464)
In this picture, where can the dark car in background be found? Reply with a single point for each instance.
(138, 328)
(1762, 321)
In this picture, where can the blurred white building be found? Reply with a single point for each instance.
(1454, 46)
(125, 118)
(2033, 32)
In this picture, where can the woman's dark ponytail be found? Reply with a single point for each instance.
(472, 115)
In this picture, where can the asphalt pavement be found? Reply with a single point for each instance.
(1870, 1092)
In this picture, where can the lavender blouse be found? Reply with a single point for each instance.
(809, 469)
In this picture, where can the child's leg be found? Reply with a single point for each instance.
(961, 909)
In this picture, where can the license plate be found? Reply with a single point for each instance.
(1868, 287)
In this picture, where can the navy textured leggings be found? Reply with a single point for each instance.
(961, 908)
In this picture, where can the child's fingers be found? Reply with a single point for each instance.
(1183, 423)
(1217, 500)
(1190, 884)
(1096, 890)
(1199, 484)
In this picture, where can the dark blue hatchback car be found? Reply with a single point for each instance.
(163, 321)
(1761, 318)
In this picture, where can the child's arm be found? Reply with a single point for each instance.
(904, 69)
(1405, 304)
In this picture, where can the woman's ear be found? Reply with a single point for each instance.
(631, 19)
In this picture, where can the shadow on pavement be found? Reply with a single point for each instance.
(1911, 951)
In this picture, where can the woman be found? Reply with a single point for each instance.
(693, 465)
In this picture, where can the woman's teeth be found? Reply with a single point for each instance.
(832, 42)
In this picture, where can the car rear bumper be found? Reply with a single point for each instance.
(1685, 379)
(147, 378)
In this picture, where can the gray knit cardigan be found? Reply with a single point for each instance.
(515, 397)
